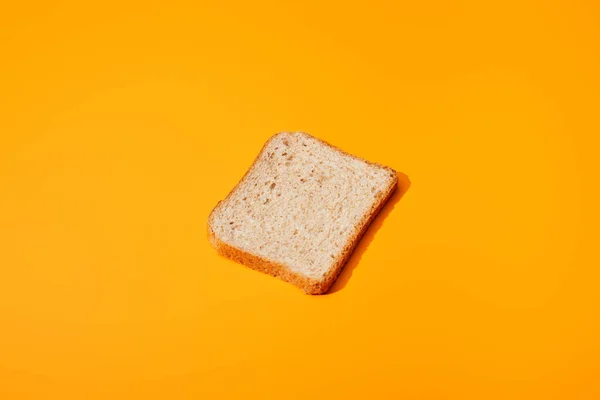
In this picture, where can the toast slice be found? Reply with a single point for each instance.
(300, 210)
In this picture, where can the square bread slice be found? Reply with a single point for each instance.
(300, 210)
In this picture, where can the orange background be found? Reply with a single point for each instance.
(123, 124)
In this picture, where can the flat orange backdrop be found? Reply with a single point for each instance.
(122, 125)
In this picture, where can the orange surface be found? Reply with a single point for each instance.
(123, 124)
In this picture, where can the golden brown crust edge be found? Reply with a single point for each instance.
(308, 285)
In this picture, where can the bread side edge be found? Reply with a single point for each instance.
(340, 263)
(307, 285)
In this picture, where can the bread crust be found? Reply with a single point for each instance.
(306, 284)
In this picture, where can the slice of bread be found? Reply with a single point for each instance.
(300, 210)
